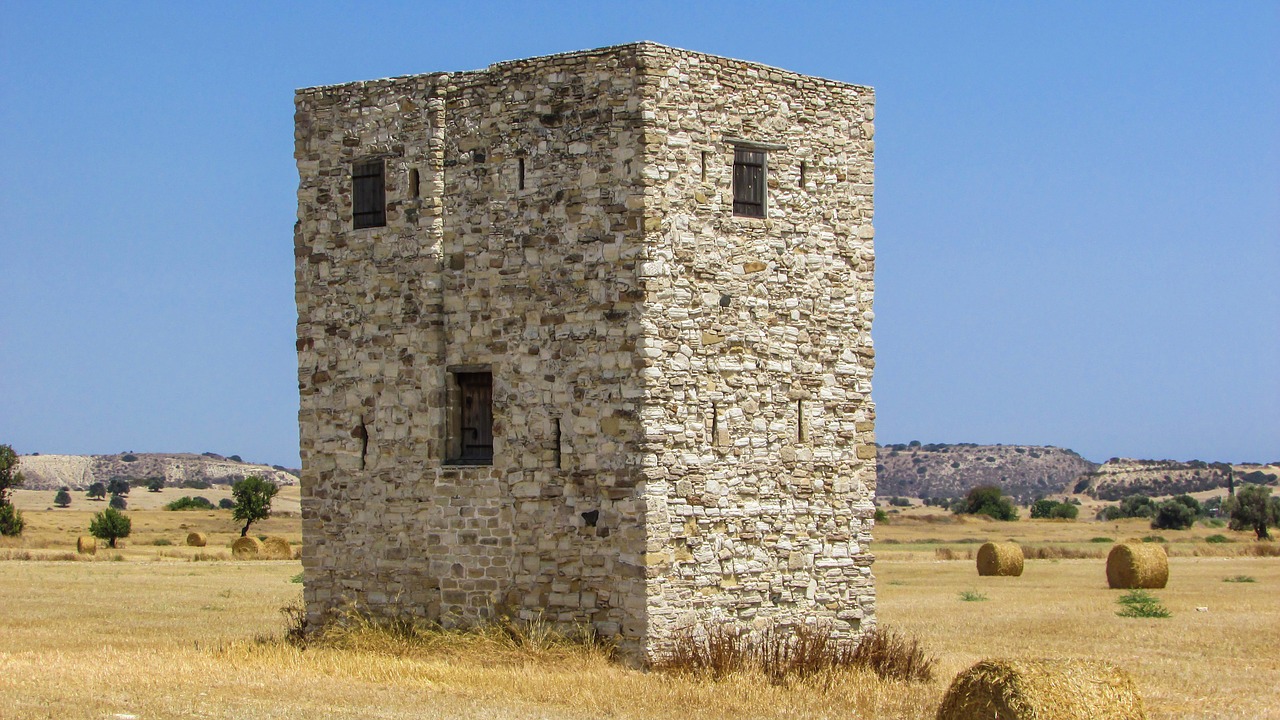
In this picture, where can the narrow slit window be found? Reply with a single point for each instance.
(559, 442)
(703, 167)
(521, 179)
(368, 195)
(802, 430)
(471, 442)
(415, 187)
(749, 168)
(803, 168)
(715, 424)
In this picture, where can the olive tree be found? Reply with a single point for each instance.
(253, 501)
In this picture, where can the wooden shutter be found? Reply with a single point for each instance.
(477, 416)
(748, 182)
(368, 195)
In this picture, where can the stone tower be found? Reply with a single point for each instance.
(587, 337)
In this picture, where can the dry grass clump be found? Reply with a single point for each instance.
(802, 652)
(1262, 549)
(946, 553)
(1002, 559)
(87, 545)
(1058, 552)
(247, 548)
(1137, 565)
(1062, 689)
(502, 640)
(276, 548)
(197, 539)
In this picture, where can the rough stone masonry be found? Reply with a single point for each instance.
(587, 337)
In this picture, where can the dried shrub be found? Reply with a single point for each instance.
(798, 653)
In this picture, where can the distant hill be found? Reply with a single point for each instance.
(942, 470)
(1118, 477)
(78, 472)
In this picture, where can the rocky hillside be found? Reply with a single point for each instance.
(1118, 477)
(78, 472)
(941, 470)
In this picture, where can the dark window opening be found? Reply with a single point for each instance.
(472, 444)
(414, 183)
(749, 182)
(704, 166)
(368, 195)
(559, 440)
(803, 167)
(361, 433)
(521, 181)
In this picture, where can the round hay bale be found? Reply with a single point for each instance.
(1063, 689)
(1000, 559)
(246, 548)
(1137, 565)
(87, 545)
(276, 548)
(196, 539)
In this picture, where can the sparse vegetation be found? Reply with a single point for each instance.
(1218, 538)
(1045, 509)
(1240, 579)
(972, 596)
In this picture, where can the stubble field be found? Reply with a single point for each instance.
(156, 634)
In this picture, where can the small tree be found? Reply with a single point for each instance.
(1042, 508)
(1173, 515)
(155, 484)
(1137, 506)
(1254, 509)
(97, 491)
(11, 522)
(118, 486)
(110, 525)
(1065, 511)
(118, 502)
(253, 501)
(62, 499)
(226, 504)
(10, 478)
(988, 500)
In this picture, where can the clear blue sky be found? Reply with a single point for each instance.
(1078, 207)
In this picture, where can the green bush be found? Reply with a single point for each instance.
(1154, 538)
(62, 499)
(110, 525)
(1218, 539)
(1101, 540)
(162, 542)
(226, 504)
(1174, 515)
(881, 515)
(1142, 604)
(11, 522)
(187, 502)
(197, 484)
(1239, 579)
(972, 596)
(990, 501)
(118, 502)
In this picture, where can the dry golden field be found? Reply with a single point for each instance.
(157, 635)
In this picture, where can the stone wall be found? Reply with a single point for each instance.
(566, 236)
(760, 329)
